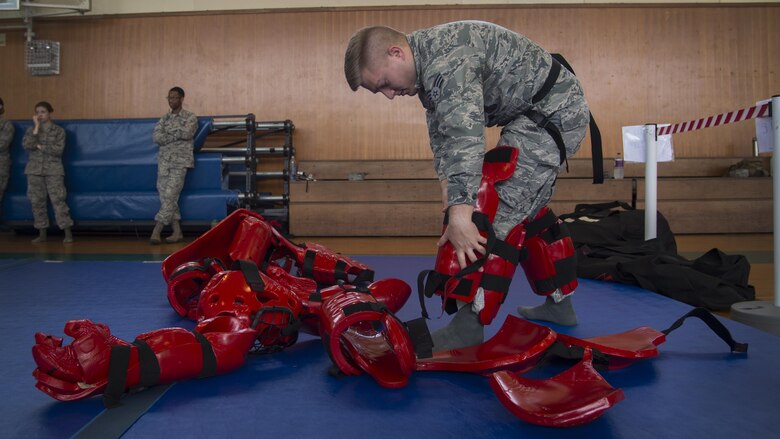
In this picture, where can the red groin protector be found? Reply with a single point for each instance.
(518, 345)
(577, 396)
(622, 349)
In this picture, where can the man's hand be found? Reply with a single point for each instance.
(463, 235)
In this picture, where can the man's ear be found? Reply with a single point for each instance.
(396, 51)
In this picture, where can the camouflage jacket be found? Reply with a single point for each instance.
(473, 74)
(174, 133)
(48, 159)
(6, 137)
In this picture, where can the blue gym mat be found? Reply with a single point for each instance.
(695, 388)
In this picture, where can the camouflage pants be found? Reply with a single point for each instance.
(37, 188)
(5, 175)
(170, 181)
(538, 164)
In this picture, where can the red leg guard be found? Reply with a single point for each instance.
(497, 276)
(550, 262)
(322, 264)
(448, 280)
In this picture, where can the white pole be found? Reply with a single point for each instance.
(776, 192)
(651, 182)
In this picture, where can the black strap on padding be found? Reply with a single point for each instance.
(117, 376)
(340, 271)
(251, 274)
(364, 306)
(595, 133)
(563, 351)
(565, 272)
(147, 361)
(366, 275)
(506, 251)
(715, 325)
(540, 224)
(308, 263)
(421, 337)
(207, 352)
(499, 284)
(428, 281)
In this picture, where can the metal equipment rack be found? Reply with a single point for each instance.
(242, 162)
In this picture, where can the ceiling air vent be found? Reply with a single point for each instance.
(43, 57)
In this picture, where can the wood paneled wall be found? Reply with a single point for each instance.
(637, 64)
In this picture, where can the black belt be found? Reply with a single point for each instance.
(543, 122)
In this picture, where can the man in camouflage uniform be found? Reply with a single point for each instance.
(174, 133)
(469, 75)
(45, 143)
(6, 136)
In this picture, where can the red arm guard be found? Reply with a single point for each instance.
(81, 369)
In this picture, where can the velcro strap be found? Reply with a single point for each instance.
(364, 306)
(366, 275)
(506, 251)
(209, 359)
(565, 272)
(117, 376)
(421, 337)
(552, 77)
(562, 351)
(426, 287)
(147, 361)
(308, 263)
(540, 224)
(499, 284)
(251, 274)
(340, 271)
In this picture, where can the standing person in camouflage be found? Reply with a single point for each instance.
(6, 136)
(45, 143)
(469, 75)
(174, 133)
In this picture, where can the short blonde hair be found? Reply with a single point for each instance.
(364, 48)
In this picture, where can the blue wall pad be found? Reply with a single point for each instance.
(111, 173)
(695, 388)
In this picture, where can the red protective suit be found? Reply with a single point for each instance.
(250, 289)
(256, 304)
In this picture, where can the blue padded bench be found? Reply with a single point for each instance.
(111, 175)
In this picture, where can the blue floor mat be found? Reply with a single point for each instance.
(695, 388)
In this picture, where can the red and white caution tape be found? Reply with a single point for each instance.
(713, 121)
